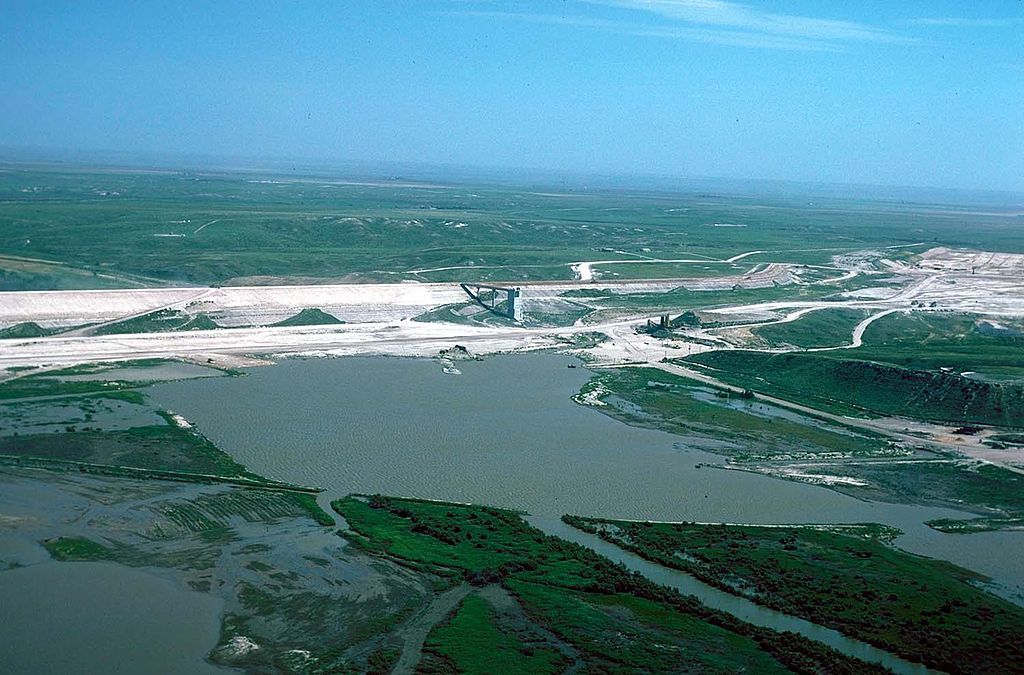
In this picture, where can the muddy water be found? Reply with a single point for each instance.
(102, 618)
(506, 432)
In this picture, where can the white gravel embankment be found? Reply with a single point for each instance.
(72, 308)
(231, 306)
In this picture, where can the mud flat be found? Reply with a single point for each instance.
(282, 590)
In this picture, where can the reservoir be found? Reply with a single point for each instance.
(507, 433)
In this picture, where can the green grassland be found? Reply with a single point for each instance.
(28, 274)
(164, 447)
(615, 620)
(821, 328)
(867, 388)
(922, 609)
(73, 228)
(933, 340)
(76, 548)
(473, 641)
(50, 383)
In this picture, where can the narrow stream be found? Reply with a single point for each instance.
(739, 607)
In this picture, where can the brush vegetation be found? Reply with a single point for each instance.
(616, 620)
(473, 641)
(844, 577)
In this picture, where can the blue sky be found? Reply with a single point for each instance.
(902, 93)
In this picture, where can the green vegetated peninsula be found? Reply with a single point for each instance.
(846, 577)
(757, 436)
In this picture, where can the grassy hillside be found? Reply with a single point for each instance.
(310, 316)
(991, 348)
(160, 321)
(867, 388)
(28, 329)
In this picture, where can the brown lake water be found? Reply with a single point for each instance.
(506, 432)
(87, 617)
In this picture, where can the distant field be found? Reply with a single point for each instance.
(670, 270)
(95, 229)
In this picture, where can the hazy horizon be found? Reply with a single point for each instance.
(923, 94)
(427, 173)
